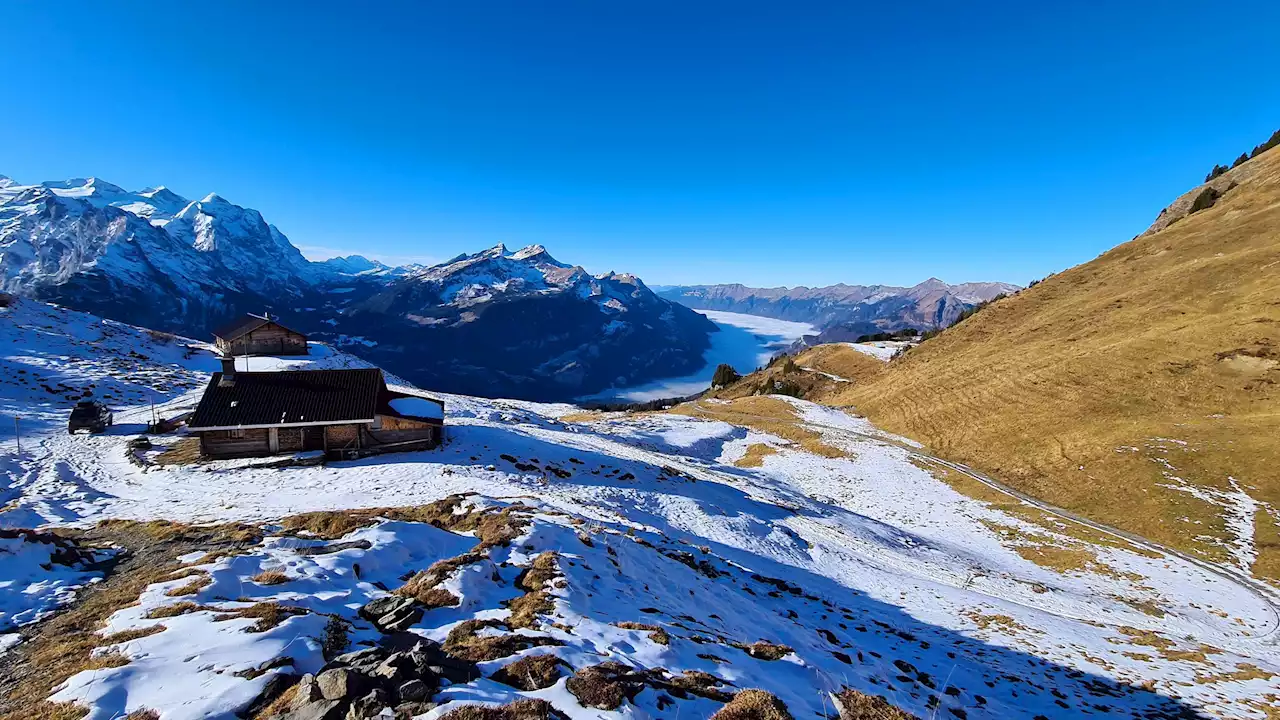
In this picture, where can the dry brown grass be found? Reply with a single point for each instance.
(753, 705)
(764, 650)
(755, 455)
(271, 577)
(531, 673)
(64, 644)
(278, 707)
(605, 686)
(1242, 673)
(493, 526)
(181, 608)
(465, 642)
(1143, 342)
(841, 361)
(437, 598)
(183, 452)
(167, 531)
(766, 414)
(424, 583)
(656, 633)
(267, 614)
(855, 705)
(196, 584)
(45, 710)
(535, 601)
(1062, 555)
(126, 635)
(1165, 647)
(142, 715)
(527, 709)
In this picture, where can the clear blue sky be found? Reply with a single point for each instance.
(762, 142)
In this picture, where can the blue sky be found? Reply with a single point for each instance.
(764, 143)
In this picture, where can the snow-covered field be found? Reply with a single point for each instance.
(881, 349)
(872, 572)
(745, 341)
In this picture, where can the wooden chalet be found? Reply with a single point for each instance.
(341, 412)
(258, 335)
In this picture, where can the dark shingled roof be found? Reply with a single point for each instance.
(289, 397)
(236, 328)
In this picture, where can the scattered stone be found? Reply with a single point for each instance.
(308, 691)
(413, 691)
(392, 613)
(341, 683)
(371, 705)
(318, 710)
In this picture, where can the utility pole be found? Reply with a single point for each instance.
(151, 395)
(17, 434)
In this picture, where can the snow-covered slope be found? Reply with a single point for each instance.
(694, 553)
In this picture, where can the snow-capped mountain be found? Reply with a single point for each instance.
(150, 257)
(525, 324)
(520, 323)
(362, 266)
(843, 312)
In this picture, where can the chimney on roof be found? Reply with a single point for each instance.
(228, 372)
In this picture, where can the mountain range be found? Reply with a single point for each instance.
(517, 324)
(843, 312)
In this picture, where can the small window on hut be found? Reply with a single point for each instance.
(235, 434)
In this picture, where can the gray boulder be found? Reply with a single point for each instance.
(414, 691)
(341, 683)
(371, 705)
(392, 613)
(316, 710)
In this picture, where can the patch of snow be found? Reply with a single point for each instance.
(417, 407)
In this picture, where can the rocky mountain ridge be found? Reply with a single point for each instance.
(530, 326)
(842, 312)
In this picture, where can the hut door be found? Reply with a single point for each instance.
(313, 438)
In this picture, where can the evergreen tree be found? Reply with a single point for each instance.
(724, 376)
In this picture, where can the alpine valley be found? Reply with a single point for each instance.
(515, 324)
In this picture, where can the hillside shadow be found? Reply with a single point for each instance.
(863, 626)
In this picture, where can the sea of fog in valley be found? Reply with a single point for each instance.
(744, 341)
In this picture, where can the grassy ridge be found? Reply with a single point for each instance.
(1100, 387)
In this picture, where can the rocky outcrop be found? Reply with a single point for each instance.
(373, 681)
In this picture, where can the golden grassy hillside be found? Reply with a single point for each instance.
(1139, 389)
